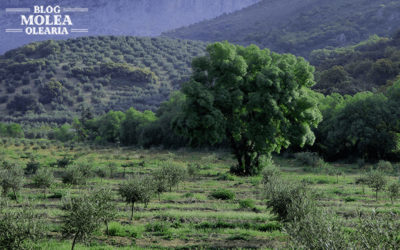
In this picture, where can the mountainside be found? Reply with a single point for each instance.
(51, 80)
(371, 64)
(120, 17)
(299, 26)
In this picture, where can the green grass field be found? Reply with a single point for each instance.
(187, 217)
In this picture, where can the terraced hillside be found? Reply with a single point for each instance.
(50, 80)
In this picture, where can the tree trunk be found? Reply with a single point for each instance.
(74, 241)
(132, 207)
(107, 231)
(376, 195)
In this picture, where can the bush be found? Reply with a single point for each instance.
(20, 228)
(31, 167)
(248, 203)
(193, 170)
(137, 189)
(43, 178)
(81, 218)
(376, 180)
(11, 177)
(384, 166)
(64, 162)
(377, 231)
(173, 174)
(268, 173)
(74, 175)
(288, 200)
(223, 194)
(394, 191)
(317, 230)
(309, 159)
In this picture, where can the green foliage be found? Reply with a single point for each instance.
(173, 174)
(289, 201)
(105, 205)
(105, 73)
(247, 203)
(310, 159)
(77, 174)
(43, 178)
(136, 189)
(376, 180)
(394, 191)
(11, 177)
(31, 167)
(269, 172)
(81, 218)
(64, 162)
(362, 67)
(255, 100)
(317, 230)
(360, 126)
(223, 194)
(11, 130)
(20, 229)
(377, 231)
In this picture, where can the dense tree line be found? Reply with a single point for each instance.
(374, 63)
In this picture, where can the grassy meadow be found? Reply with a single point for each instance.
(187, 216)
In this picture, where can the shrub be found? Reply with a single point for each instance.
(376, 180)
(73, 175)
(136, 189)
(248, 203)
(223, 194)
(309, 159)
(106, 208)
(288, 200)
(193, 170)
(43, 178)
(64, 162)
(11, 177)
(377, 231)
(317, 230)
(384, 166)
(81, 218)
(173, 174)
(20, 228)
(31, 167)
(394, 191)
(268, 173)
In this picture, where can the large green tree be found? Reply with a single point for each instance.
(255, 100)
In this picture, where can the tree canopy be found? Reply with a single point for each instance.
(256, 100)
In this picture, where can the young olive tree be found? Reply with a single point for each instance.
(43, 178)
(11, 177)
(81, 218)
(106, 207)
(173, 174)
(256, 100)
(20, 228)
(136, 189)
(377, 181)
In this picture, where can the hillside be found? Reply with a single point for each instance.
(120, 17)
(371, 64)
(299, 26)
(49, 81)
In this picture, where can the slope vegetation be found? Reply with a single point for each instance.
(299, 26)
(49, 81)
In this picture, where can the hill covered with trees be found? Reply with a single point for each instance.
(51, 80)
(299, 26)
(371, 64)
